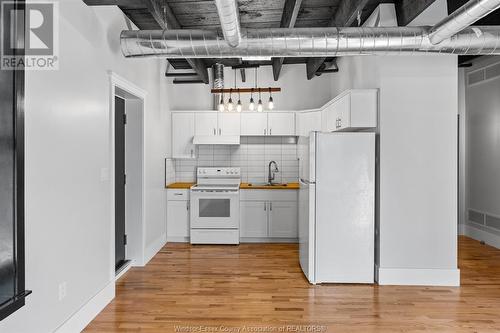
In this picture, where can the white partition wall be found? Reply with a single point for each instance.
(417, 215)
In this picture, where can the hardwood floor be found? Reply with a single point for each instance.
(260, 287)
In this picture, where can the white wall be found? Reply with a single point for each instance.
(418, 163)
(68, 206)
(482, 152)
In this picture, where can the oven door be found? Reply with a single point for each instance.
(215, 209)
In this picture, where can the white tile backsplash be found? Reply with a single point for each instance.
(252, 156)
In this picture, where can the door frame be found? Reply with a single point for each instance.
(116, 81)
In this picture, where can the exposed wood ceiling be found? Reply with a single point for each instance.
(202, 14)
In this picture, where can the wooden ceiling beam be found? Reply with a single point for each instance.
(408, 10)
(346, 14)
(163, 15)
(288, 19)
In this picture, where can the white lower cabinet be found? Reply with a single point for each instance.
(268, 215)
(253, 219)
(283, 220)
(178, 215)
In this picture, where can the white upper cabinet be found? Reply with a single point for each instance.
(206, 124)
(253, 123)
(182, 135)
(353, 109)
(268, 123)
(229, 124)
(307, 122)
(281, 123)
(209, 123)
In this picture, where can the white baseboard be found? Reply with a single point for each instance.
(242, 240)
(461, 229)
(267, 240)
(176, 239)
(79, 320)
(419, 277)
(154, 248)
(482, 235)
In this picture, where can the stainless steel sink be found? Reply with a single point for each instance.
(267, 184)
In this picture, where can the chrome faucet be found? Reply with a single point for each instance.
(272, 172)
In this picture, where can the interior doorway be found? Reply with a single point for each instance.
(127, 174)
(120, 182)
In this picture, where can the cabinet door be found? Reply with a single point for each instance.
(331, 118)
(343, 111)
(364, 106)
(177, 219)
(281, 123)
(253, 123)
(253, 219)
(182, 135)
(314, 122)
(283, 222)
(229, 124)
(206, 123)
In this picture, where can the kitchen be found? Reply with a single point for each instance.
(244, 177)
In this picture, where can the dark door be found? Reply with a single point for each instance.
(119, 182)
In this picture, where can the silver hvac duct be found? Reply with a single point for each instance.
(460, 19)
(217, 82)
(306, 42)
(229, 17)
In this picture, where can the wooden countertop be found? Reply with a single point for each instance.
(180, 185)
(288, 186)
(243, 186)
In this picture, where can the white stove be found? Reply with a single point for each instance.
(215, 206)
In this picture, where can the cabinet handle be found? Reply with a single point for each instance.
(191, 153)
(271, 131)
(187, 205)
(220, 131)
(265, 205)
(264, 131)
(270, 206)
(215, 132)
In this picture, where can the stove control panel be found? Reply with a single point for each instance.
(219, 172)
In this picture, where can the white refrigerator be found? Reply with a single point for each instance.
(337, 207)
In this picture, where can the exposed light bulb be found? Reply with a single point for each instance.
(221, 105)
(230, 104)
(259, 106)
(251, 106)
(271, 103)
(239, 106)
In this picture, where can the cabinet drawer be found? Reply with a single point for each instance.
(177, 195)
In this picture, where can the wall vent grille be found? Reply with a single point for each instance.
(483, 74)
(476, 217)
(492, 221)
(493, 71)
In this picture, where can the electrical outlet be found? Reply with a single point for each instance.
(104, 174)
(62, 290)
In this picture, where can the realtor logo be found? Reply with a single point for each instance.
(34, 27)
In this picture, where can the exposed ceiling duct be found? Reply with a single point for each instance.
(229, 17)
(218, 82)
(463, 17)
(307, 42)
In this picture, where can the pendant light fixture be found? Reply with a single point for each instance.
(221, 103)
(270, 105)
(230, 103)
(251, 106)
(239, 106)
(259, 105)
